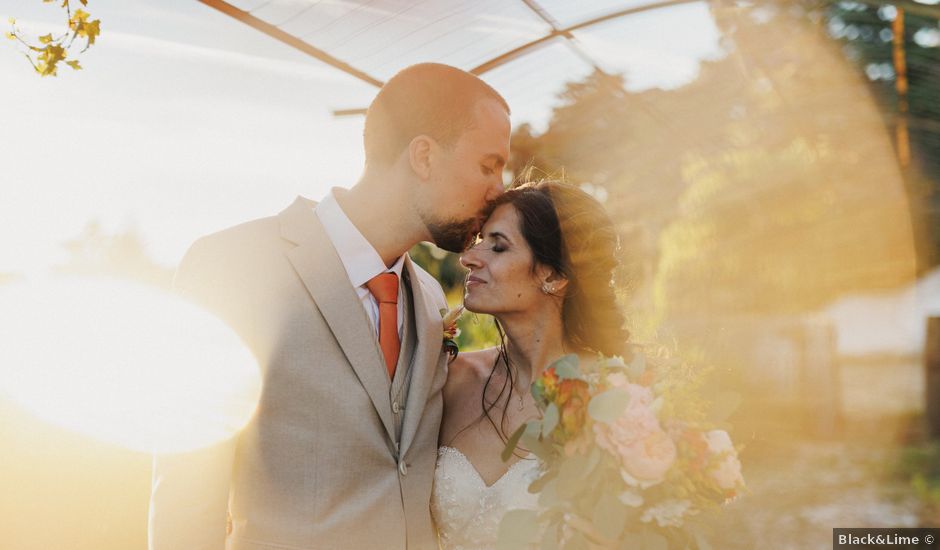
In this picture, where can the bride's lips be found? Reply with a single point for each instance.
(473, 281)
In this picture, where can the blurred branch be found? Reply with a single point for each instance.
(46, 54)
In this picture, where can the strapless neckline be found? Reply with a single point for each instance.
(466, 510)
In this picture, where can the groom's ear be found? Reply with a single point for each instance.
(420, 150)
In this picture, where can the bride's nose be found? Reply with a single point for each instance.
(470, 259)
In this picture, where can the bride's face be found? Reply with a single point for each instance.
(501, 278)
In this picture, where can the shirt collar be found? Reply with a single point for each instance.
(359, 257)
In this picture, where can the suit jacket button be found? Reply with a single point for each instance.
(396, 408)
(403, 468)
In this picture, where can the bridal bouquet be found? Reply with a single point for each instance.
(625, 459)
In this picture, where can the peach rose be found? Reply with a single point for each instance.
(645, 451)
(727, 473)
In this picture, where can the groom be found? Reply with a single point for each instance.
(347, 331)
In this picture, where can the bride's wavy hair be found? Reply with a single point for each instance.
(569, 231)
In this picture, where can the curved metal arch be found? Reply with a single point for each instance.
(525, 49)
(305, 47)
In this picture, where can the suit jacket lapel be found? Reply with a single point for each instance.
(325, 278)
(430, 333)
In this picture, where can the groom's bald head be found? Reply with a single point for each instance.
(426, 99)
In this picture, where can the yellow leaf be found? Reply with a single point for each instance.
(74, 64)
(49, 59)
(12, 20)
(11, 36)
(46, 39)
(84, 2)
(92, 30)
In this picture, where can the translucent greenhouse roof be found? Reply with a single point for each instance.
(526, 49)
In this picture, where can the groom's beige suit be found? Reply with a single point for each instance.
(337, 455)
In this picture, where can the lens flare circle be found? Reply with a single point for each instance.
(128, 364)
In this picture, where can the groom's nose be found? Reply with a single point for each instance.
(496, 188)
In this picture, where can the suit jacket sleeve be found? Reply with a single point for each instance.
(189, 491)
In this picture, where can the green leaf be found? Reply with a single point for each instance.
(725, 404)
(637, 365)
(539, 484)
(631, 541)
(517, 530)
(608, 406)
(512, 443)
(576, 542)
(700, 541)
(609, 516)
(530, 439)
(548, 497)
(550, 540)
(567, 367)
(571, 476)
(654, 541)
(550, 419)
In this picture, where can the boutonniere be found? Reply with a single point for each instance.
(449, 322)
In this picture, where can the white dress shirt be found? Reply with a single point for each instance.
(359, 257)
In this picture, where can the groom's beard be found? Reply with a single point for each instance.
(454, 236)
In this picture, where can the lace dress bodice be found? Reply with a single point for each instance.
(467, 511)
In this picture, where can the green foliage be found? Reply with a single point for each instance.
(920, 466)
(52, 50)
(866, 31)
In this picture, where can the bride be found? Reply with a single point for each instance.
(544, 269)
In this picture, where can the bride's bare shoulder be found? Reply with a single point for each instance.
(469, 368)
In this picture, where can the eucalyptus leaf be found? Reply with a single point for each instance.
(609, 516)
(576, 542)
(631, 541)
(654, 541)
(700, 541)
(548, 497)
(608, 406)
(637, 365)
(550, 540)
(531, 440)
(571, 476)
(512, 443)
(567, 367)
(725, 404)
(540, 482)
(517, 530)
(549, 419)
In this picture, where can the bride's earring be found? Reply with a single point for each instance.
(546, 289)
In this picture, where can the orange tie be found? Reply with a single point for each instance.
(384, 288)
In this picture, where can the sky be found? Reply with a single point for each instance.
(185, 121)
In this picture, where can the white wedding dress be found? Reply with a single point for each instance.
(467, 511)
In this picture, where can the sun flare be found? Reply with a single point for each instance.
(124, 363)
